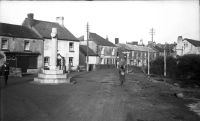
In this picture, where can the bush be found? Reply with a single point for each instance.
(157, 66)
(184, 67)
(189, 67)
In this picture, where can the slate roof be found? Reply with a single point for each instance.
(19, 31)
(135, 47)
(193, 42)
(100, 40)
(158, 48)
(44, 29)
(83, 49)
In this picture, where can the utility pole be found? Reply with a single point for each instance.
(87, 66)
(152, 32)
(148, 62)
(165, 66)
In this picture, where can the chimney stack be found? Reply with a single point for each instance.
(30, 16)
(116, 40)
(60, 20)
(180, 38)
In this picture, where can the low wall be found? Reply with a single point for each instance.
(105, 66)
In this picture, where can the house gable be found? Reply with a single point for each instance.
(193, 42)
(100, 40)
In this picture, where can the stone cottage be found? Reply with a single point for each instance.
(21, 48)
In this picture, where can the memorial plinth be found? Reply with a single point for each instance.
(54, 75)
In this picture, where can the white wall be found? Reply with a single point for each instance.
(190, 49)
(63, 49)
(93, 60)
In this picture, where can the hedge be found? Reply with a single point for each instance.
(185, 67)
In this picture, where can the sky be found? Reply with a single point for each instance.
(126, 20)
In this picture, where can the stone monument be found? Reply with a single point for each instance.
(53, 75)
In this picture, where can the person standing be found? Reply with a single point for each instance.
(122, 74)
(5, 70)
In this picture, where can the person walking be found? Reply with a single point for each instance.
(5, 70)
(122, 75)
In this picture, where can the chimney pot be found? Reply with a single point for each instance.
(30, 15)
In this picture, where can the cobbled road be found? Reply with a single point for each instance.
(96, 96)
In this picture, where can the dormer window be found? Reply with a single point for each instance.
(27, 45)
(71, 47)
(4, 44)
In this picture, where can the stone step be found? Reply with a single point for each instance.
(59, 76)
(52, 80)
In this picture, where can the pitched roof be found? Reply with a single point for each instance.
(83, 49)
(135, 47)
(12, 30)
(44, 28)
(100, 40)
(158, 48)
(193, 42)
(81, 38)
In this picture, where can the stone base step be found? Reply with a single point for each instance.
(51, 80)
(55, 76)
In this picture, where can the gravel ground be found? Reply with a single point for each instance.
(96, 96)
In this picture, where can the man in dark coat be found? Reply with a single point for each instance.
(122, 74)
(5, 71)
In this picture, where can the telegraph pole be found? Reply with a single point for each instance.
(148, 62)
(87, 66)
(165, 65)
(152, 32)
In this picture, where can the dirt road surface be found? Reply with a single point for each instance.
(96, 96)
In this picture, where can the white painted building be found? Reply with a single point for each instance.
(68, 44)
(187, 46)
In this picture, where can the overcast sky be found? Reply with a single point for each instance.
(126, 20)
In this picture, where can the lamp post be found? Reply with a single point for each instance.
(87, 66)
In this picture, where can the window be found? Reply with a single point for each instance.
(113, 51)
(4, 44)
(71, 61)
(46, 61)
(26, 45)
(102, 51)
(71, 47)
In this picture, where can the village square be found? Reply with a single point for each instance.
(49, 74)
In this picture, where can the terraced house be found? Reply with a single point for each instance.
(21, 48)
(68, 44)
(138, 55)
